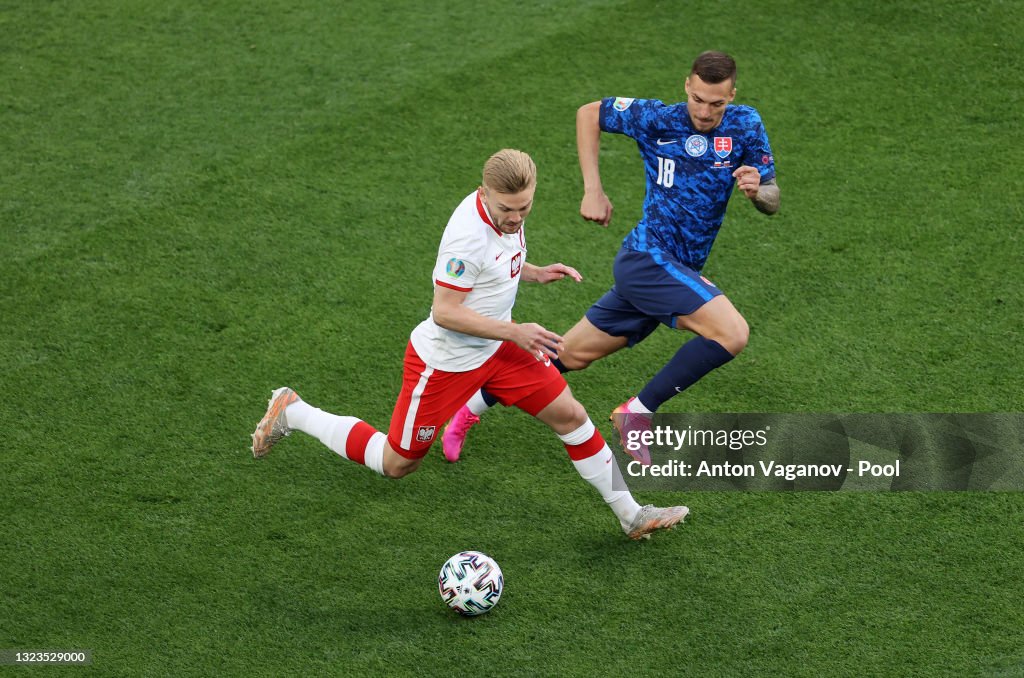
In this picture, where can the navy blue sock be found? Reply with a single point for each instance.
(696, 358)
(492, 401)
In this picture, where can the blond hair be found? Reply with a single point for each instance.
(509, 171)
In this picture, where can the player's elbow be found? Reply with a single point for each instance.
(588, 114)
(444, 315)
(440, 318)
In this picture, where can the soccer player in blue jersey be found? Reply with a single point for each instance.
(694, 154)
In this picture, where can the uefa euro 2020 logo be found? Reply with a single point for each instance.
(455, 268)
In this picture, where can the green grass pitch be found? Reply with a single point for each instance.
(202, 201)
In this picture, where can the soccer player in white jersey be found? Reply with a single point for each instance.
(468, 342)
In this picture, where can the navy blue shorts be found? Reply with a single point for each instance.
(651, 288)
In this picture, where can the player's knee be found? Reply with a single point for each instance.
(568, 415)
(577, 415)
(573, 415)
(396, 466)
(396, 472)
(735, 336)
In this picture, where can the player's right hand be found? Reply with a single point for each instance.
(596, 207)
(537, 341)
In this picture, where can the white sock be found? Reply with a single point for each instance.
(375, 452)
(599, 470)
(301, 416)
(477, 405)
(634, 405)
(333, 431)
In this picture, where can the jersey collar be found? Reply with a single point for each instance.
(482, 211)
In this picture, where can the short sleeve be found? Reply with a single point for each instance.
(633, 117)
(455, 272)
(757, 150)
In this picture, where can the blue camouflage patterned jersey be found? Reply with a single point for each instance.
(689, 173)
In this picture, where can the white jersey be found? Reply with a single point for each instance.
(477, 258)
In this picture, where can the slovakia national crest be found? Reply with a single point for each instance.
(723, 146)
(696, 145)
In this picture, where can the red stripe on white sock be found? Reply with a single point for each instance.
(587, 449)
(355, 443)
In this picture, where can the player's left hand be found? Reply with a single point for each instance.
(552, 272)
(748, 180)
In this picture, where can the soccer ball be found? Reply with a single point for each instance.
(470, 583)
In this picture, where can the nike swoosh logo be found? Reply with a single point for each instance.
(666, 142)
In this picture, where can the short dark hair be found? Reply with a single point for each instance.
(714, 67)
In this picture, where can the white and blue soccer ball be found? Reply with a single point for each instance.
(470, 583)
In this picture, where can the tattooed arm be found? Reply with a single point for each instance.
(764, 196)
(767, 198)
